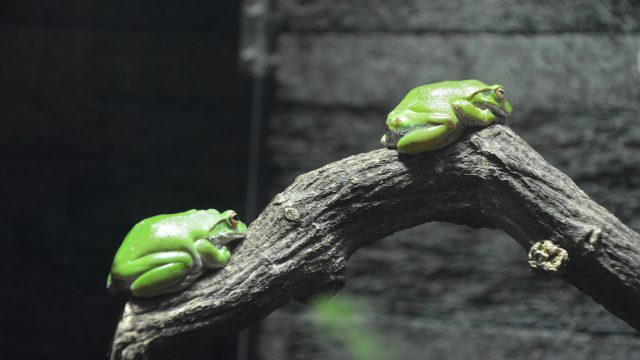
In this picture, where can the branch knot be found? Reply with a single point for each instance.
(548, 258)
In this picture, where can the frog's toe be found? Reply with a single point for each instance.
(117, 286)
(383, 140)
(391, 137)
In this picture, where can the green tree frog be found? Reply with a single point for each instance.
(167, 253)
(433, 116)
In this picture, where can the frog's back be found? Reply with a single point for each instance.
(448, 90)
(161, 232)
(437, 95)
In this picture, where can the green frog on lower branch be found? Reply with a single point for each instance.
(167, 253)
(433, 116)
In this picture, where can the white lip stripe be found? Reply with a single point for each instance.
(222, 238)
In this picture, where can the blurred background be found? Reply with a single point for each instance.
(116, 111)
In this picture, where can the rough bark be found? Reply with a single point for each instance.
(298, 247)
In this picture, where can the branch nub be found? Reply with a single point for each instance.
(547, 258)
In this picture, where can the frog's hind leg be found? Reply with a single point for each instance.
(423, 139)
(161, 280)
(158, 273)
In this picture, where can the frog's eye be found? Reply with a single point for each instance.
(500, 93)
(234, 220)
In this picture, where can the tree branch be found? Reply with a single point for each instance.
(299, 246)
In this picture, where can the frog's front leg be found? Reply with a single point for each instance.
(157, 273)
(212, 257)
(470, 115)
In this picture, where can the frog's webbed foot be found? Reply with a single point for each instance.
(391, 137)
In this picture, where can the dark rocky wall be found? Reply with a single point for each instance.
(571, 70)
(111, 111)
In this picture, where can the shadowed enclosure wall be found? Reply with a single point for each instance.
(111, 111)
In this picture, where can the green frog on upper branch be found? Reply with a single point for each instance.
(433, 116)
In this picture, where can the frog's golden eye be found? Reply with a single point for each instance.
(234, 220)
(500, 93)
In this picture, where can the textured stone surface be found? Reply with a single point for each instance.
(377, 70)
(323, 135)
(452, 16)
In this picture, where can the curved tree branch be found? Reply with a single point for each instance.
(298, 247)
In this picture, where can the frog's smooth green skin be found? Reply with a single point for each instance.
(167, 253)
(433, 116)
